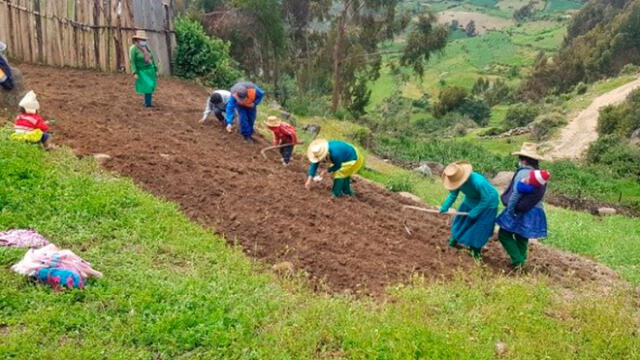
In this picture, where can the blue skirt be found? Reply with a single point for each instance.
(531, 225)
(473, 232)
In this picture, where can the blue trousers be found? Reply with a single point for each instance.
(247, 118)
(148, 100)
(286, 153)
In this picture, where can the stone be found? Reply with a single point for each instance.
(604, 211)
(436, 168)
(410, 196)
(165, 156)
(312, 128)
(635, 138)
(102, 158)
(502, 179)
(424, 170)
(501, 349)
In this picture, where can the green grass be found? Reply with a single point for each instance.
(172, 290)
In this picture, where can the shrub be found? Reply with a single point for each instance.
(521, 115)
(621, 119)
(614, 152)
(544, 125)
(201, 57)
(400, 183)
(581, 88)
(630, 69)
(492, 131)
(477, 110)
(450, 98)
(362, 136)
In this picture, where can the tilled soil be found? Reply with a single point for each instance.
(360, 245)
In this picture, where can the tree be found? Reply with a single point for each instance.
(449, 99)
(470, 29)
(424, 40)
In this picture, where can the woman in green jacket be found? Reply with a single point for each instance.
(143, 67)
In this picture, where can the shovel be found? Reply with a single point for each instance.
(264, 151)
(435, 211)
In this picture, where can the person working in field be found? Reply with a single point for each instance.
(245, 98)
(480, 202)
(29, 126)
(6, 77)
(284, 135)
(143, 67)
(217, 103)
(524, 217)
(345, 158)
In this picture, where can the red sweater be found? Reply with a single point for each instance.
(284, 134)
(29, 122)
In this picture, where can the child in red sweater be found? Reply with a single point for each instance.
(283, 134)
(29, 126)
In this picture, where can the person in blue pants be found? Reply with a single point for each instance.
(245, 98)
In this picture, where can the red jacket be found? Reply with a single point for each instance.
(284, 134)
(29, 122)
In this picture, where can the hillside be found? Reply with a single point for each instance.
(224, 183)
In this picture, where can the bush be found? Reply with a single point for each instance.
(544, 125)
(614, 152)
(492, 131)
(623, 119)
(581, 88)
(521, 115)
(449, 99)
(362, 136)
(201, 57)
(477, 110)
(308, 105)
(630, 69)
(400, 183)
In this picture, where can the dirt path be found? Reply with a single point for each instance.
(576, 137)
(361, 244)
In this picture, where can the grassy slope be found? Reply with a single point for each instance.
(173, 290)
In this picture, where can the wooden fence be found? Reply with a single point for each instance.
(92, 34)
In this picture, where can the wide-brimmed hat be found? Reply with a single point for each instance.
(30, 103)
(140, 35)
(273, 121)
(318, 150)
(529, 150)
(456, 174)
(3, 46)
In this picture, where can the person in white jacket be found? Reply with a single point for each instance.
(217, 103)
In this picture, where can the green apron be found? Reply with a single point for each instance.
(147, 78)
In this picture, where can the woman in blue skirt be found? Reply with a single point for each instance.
(524, 217)
(480, 202)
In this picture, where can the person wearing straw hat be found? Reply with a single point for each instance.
(524, 217)
(345, 158)
(245, 98)
(284, 135)
(480, 202)
(29, 126)
(6, 77)
(143, 67)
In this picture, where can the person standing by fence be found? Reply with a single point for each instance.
(144, 67)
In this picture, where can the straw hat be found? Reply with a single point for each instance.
(318, 150)
(30, 103)
(529, 150)
(3, 46)
(140, 35)
(273, 121)
(456, 174)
